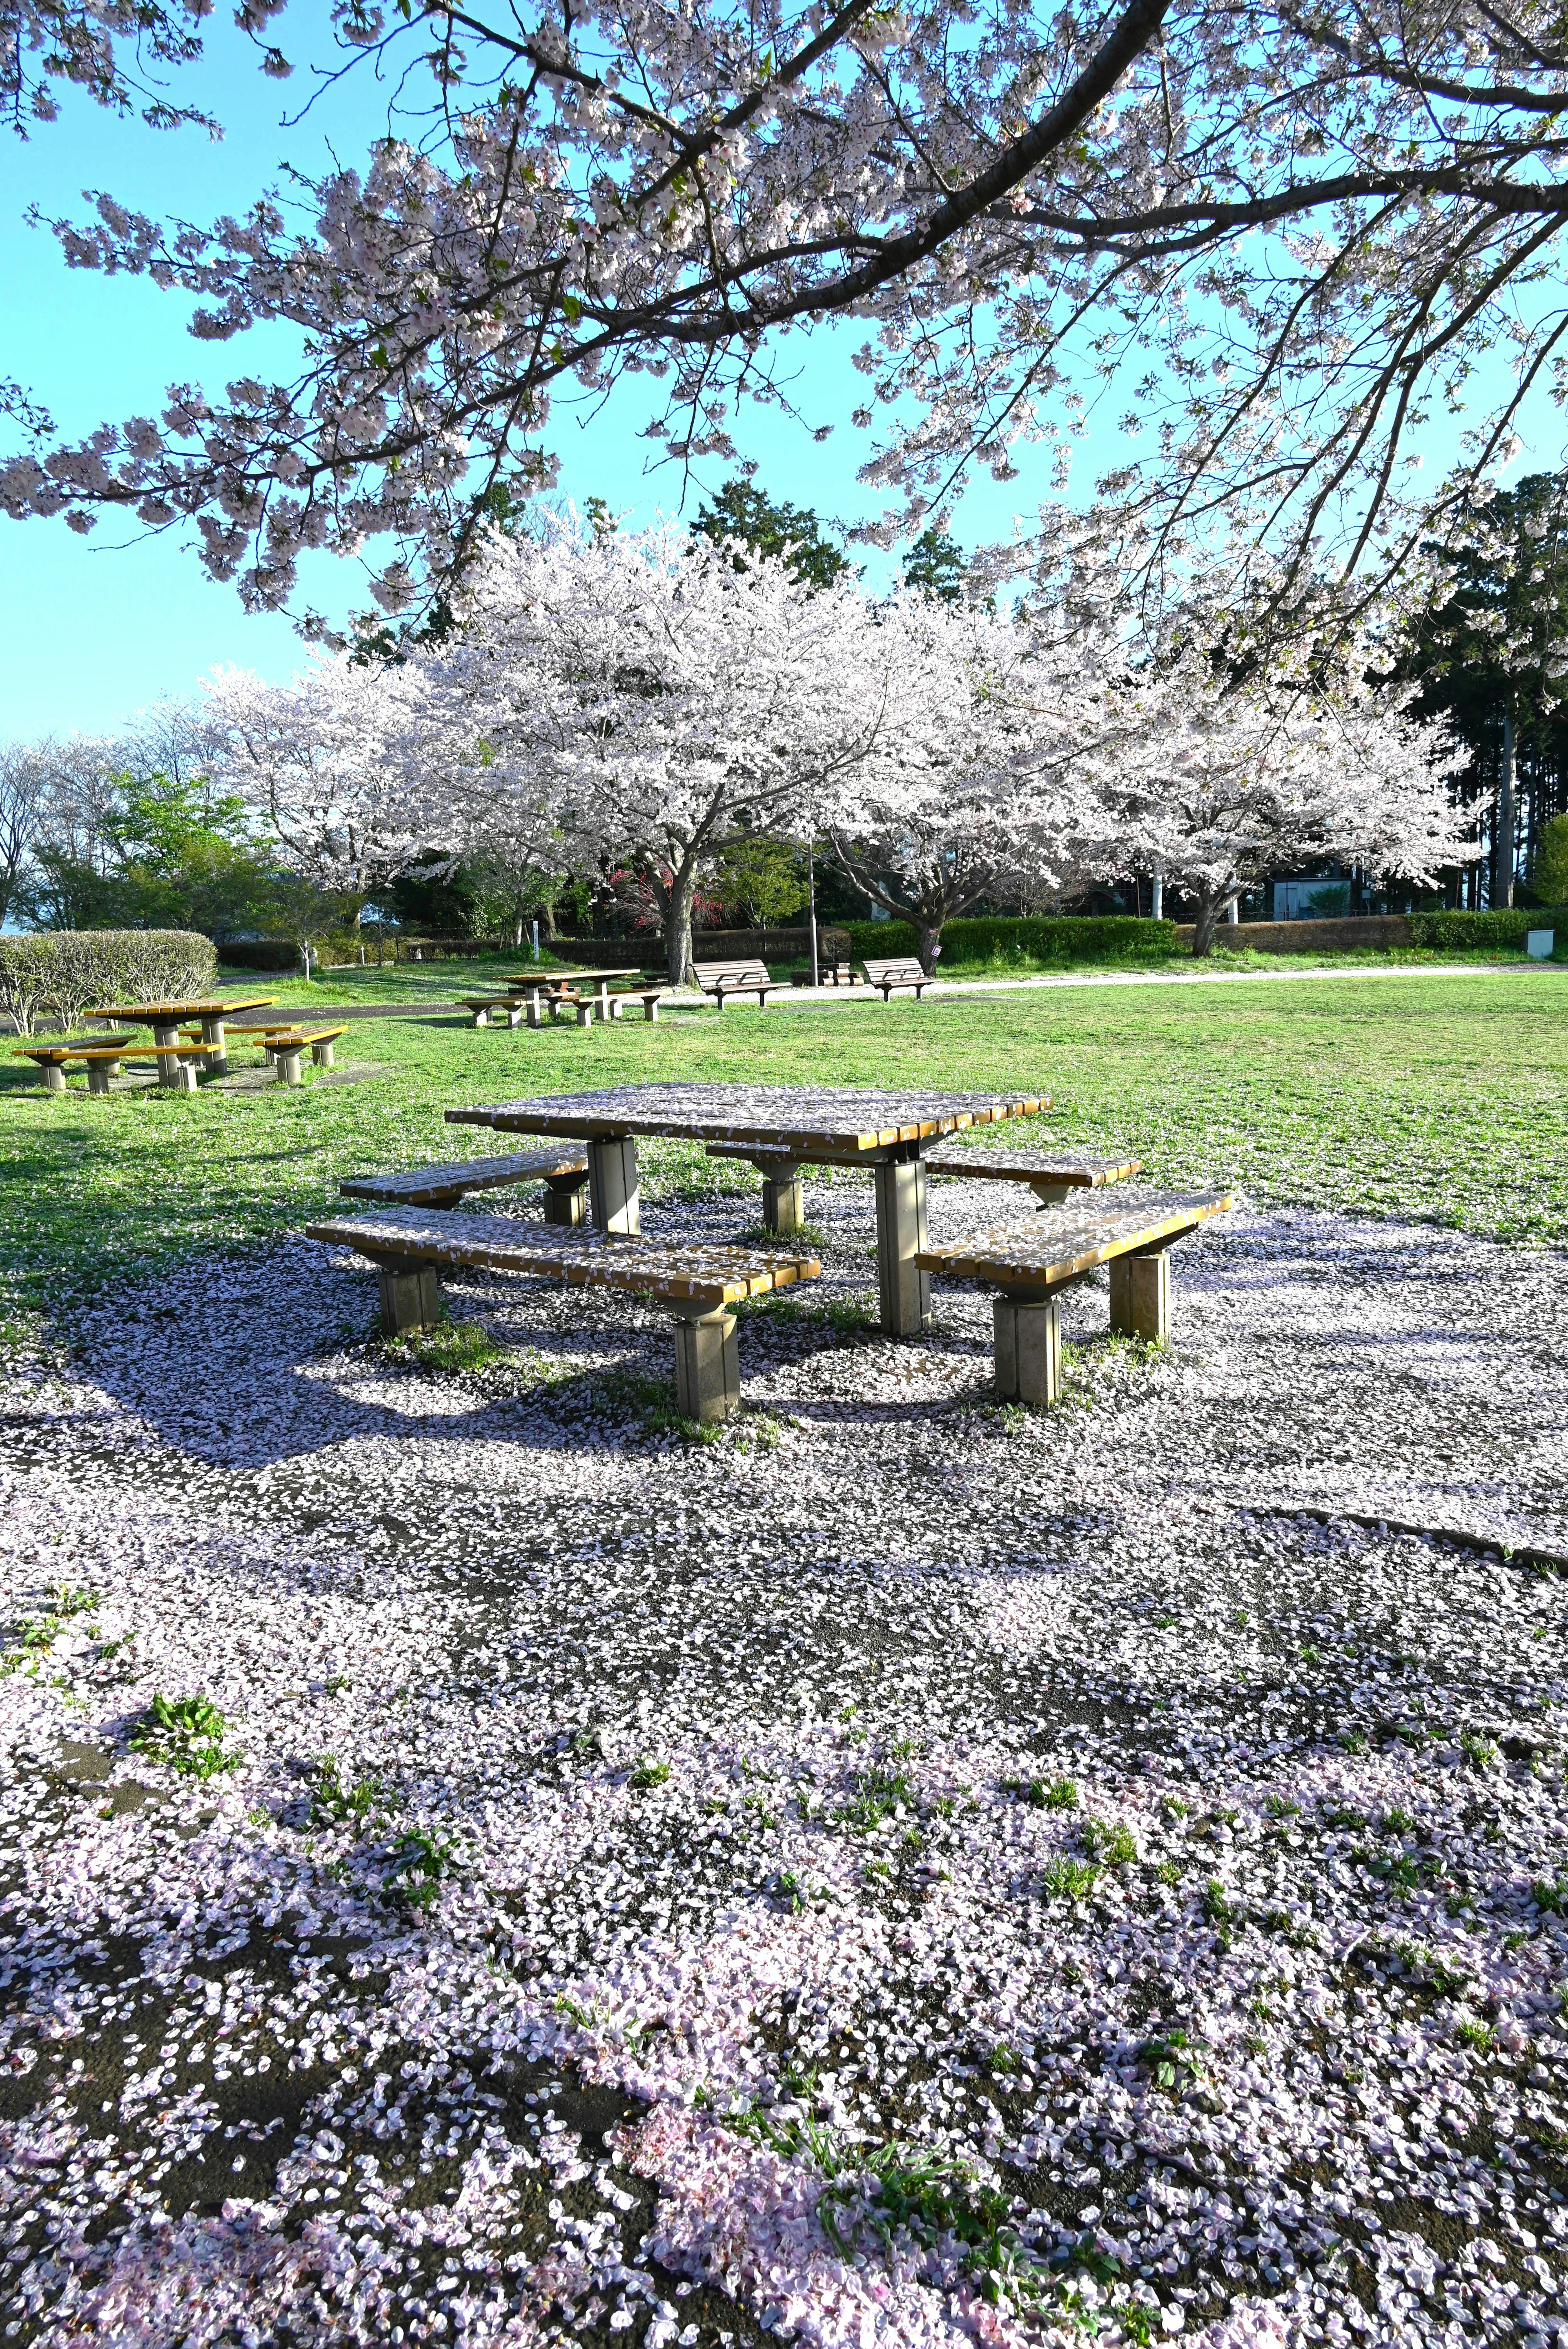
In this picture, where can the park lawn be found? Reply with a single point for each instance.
(1437, 1098)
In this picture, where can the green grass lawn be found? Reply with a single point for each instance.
(1423, 1097)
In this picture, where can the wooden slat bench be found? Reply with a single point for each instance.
(287, 1047)
(722, 979)
(564, 1172)
(1051, 1178)
(903, 970)
(101, 1059)
(650, 997)
(410, 1246)
(512, 1007)
(1028, 1264)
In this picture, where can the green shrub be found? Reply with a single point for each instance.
(1503, 931)
(1006, 941)
(67, 972)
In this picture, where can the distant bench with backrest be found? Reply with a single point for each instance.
(410, 1246)
(902, 971)
(562, 1171)
(722, 979)
(1051, 1177)
(1029, 1264)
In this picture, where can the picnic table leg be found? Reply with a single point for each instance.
(53, 1076)
(602, 992)
(165, 1034)
(1052, 1194)
(1029, 1331)
(905, 1292)
(216, 1059)
(1141, 1296)
(288, 1068)
(585, 1012)
(564, 1198)
(322, 1053)
(707, 1366)
(99, 1074)
(410, 1295)
(536, 1010)
(783, 1198)
(613, 1185)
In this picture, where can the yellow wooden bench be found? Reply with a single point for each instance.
(1029, 1265)
(411, 1247)
(1052, 1178)
(101, 1062)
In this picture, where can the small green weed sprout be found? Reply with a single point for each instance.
(1113, 1845)
(649, 1773)
(419, 1865)
(1280, 1806)
(1477, 1752)
(880, 1793)
(334, 1804)
(451, 1346)
(186, 1735)
(1552, 1898)
(1480, 2035)
(1068, 1879)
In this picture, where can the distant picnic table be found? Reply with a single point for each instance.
(165, 1020)
(782, 1126)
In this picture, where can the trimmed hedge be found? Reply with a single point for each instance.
(1501, 933)
(1005, 939)
(66, 971)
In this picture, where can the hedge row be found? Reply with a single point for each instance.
(1027, 938)
(1501, 933)
(66, 971)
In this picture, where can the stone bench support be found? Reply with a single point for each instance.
(707, 1366)
(1028, 1335)
(1141, 1296)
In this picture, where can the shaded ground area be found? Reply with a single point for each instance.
(902, 1871)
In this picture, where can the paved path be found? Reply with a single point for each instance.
(842, 998)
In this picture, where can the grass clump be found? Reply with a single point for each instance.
(418, 1864)
(451, 1346)
(186, 1735)
(334, 1802)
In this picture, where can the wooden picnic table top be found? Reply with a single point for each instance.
(572, 977)
(843, 1119)
(196, 1006)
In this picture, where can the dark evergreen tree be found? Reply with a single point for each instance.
(935, 566)
(742, 510)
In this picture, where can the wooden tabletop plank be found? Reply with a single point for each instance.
(800, 1118)
(201, 1007)
(1063, 1242)
(708, 1277)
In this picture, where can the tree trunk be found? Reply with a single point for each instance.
(547, 907)
(1503, 886)
(677, 925)
(1203, 933)
(929, 946)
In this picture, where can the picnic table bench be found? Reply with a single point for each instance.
(1028, 1265)
(900, 971)
(411, 1247)
(563, 1172)
(284, 1046)
(1051, 1178)
(829, 974)
(512, 1007)
(722, 979)
(100, 1058)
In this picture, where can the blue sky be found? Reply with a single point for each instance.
(92, 629)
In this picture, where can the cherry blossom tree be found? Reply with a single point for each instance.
(1292, 237)
(651, 698)
(1227, 782)
(323, 760)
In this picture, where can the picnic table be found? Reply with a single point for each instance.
(814, 1126)
(165, 1020)
(558, 982)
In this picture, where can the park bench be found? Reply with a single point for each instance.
(1049, 1177)
(511, 1007)
(722, 979)
(564, 1172)
(650, 997)
(410, 1248)
(902, 971)
(283, 1047)
(1028, 1265)
(101, 1059)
